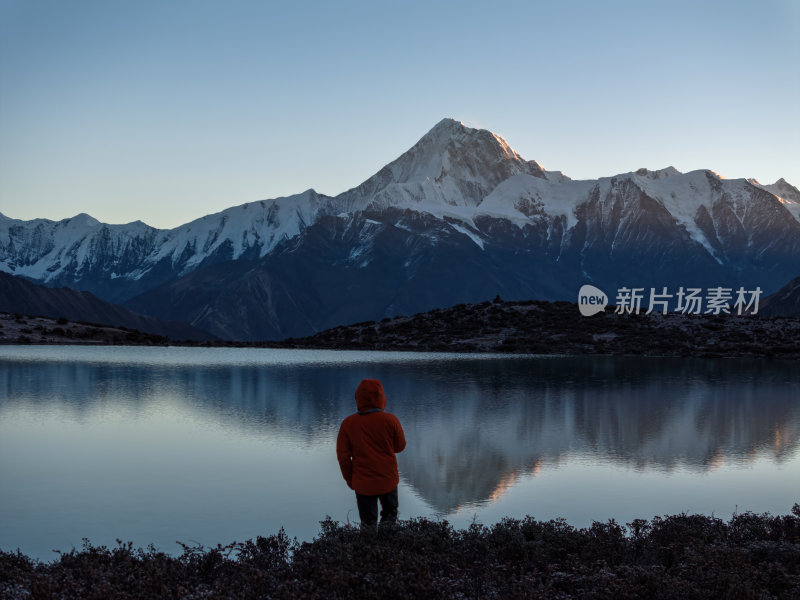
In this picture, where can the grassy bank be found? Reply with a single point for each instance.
(681, 556)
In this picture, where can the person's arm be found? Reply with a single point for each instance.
(399, 438)
(344, 453)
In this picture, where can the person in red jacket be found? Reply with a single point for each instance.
(366, 447)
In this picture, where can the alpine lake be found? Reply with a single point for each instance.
(157, 445)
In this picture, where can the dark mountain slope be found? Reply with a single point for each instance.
(409, 263)
(785, 302)
(23, 297)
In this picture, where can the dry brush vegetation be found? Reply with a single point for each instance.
(680, 556)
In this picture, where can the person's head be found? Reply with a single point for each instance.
(369, 394)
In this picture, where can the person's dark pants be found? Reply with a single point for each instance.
(368, 509)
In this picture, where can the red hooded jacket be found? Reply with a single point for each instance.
(368, 441)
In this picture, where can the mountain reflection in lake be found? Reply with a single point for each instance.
(165, 444)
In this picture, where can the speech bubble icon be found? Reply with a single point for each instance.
(591, 300)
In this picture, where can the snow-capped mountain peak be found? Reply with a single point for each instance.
(251, 229)
(781, 188)
(450, 168)
(462, 154)
(665, 172)
(788, 194)
(82, 220)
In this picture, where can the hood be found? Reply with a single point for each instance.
(369, 395)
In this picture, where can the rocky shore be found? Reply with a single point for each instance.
(530, 327)
(24, 329)
(558, 328)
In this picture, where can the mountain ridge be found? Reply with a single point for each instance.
(458, 217)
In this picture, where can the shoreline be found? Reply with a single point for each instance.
(524, 327)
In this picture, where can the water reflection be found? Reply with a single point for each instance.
(474, 425)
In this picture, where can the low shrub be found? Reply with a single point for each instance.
(679, 556)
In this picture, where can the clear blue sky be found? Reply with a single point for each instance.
(166, 111)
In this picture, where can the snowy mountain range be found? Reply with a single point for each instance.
(459, 217)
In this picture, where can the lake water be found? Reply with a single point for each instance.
(158, 445)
